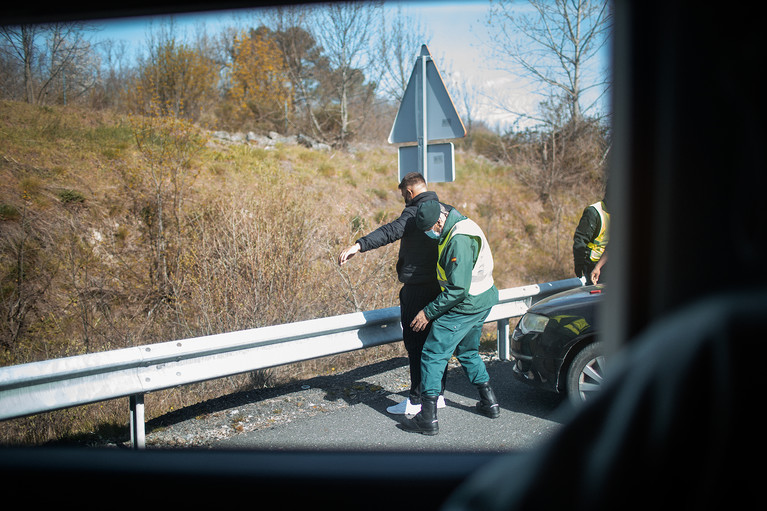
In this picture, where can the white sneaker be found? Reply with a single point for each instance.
(407, 408)
(404, 408)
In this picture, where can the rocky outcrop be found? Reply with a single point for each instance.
(267, 141)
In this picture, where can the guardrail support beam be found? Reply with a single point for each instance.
(137, 434)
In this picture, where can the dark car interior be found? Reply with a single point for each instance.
(687, 298)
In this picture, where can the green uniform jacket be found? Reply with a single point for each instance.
(458, 259)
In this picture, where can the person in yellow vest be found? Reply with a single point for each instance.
(456, 315)
(590, 239)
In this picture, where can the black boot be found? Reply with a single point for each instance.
(488, 404)
(425, 421)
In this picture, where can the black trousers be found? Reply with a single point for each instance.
(413, 298)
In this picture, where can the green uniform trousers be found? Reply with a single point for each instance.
(453, 333)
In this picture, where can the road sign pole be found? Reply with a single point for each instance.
(424, 106)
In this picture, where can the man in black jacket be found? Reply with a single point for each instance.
(416, 269)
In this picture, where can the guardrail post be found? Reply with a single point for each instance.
(503, 339)
(137, 436)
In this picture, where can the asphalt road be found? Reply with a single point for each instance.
(528, 416)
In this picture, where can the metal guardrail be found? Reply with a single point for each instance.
(48, 385)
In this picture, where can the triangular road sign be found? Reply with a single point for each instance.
(442, 121)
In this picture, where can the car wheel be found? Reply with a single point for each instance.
(584, 377)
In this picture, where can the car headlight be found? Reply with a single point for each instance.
(532, 323)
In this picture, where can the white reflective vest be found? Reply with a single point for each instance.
(599, 243)
(482, 273)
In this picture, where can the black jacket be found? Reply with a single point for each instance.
(417, 259)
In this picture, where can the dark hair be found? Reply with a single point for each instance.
(411, 179)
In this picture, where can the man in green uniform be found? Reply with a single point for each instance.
(465, 274)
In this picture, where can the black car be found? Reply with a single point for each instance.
(555, 345)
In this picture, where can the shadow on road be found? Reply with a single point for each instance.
(513, 395)
(351, 387)
(378, 386)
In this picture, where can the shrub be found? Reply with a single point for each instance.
(71, 196)
(8, 212)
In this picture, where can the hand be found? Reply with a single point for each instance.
(348, 254)
(420, 322)
(595, 275)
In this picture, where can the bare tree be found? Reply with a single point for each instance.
(400, 42)
(173, 77)
(56, 59)
(290, 24)
(465, 92)
(343, 30)
(554, 43)
(18, 45)
(114, 74)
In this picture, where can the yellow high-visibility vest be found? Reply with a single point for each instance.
(482, 273)
(600, 242)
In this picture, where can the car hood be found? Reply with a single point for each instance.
(576, 298)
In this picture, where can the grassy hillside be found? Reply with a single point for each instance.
(120, 231)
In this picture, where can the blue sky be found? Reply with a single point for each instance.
(457, 31)
(451, 24)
